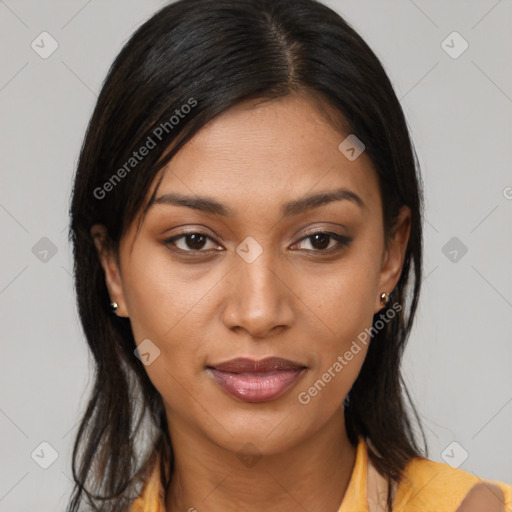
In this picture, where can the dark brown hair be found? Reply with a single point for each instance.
(211, 55)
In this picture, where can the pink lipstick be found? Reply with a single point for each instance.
(256, 381)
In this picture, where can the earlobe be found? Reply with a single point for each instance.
(394, 255)
(110, 266)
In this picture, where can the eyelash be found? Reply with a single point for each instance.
(343, 241)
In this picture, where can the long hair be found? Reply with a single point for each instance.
(191, 61)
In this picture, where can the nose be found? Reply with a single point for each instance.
(258, 297)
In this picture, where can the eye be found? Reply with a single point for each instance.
(321, 241)
(189, 242)
(196, 242)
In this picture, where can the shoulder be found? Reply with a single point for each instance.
(151, 496)
(429, 486)
(484, 496)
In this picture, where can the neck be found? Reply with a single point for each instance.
(313, 475)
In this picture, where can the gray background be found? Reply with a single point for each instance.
(458, 363)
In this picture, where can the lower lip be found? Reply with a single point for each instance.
(256, 387)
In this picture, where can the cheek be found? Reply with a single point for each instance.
(343, 303)
(343, 299)
(340, 346)
(160, 294)
(165, 305)
(161, 310)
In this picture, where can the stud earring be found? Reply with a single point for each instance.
(113, 306)
(384, 299)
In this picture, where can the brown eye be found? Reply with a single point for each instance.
(189, 242)
(195, 241)
(321, 240)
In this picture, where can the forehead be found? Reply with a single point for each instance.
(277, 150)
(258, 157)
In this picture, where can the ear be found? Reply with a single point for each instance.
(394, 254)
(111, 268)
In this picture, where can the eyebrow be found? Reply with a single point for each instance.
(295, 207)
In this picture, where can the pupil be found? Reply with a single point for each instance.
(322, 238)
(196, 239)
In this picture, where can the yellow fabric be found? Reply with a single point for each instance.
(427, 486)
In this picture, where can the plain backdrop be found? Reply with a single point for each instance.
(458, 102)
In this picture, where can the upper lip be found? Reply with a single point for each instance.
(246, 365)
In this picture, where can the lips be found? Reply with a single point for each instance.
(250, 380)
(245, 365)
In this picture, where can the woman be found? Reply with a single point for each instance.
(246, 222)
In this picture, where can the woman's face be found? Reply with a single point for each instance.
(254, 282)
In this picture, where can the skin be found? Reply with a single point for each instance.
(293, 301)
(483, 497)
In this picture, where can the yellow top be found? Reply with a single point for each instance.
(427, 486)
